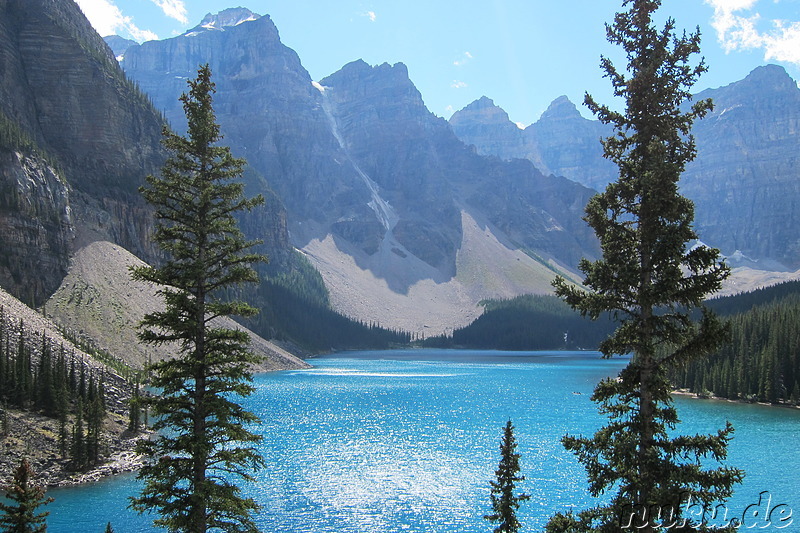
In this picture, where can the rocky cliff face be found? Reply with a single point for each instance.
(561, 142)
(744, 181)
(267, 108)
(429, 175)
(397, 144)
(569, 145)
(361, 165)
(118, 45)
(36, 226)
(76, 140)
(486, 126)
(357, 155)
(79, 139)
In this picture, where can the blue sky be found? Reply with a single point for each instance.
(521, 53)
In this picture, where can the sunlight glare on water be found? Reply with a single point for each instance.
(408, 441)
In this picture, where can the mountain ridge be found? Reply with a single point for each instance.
(362, 164)
(743, 181)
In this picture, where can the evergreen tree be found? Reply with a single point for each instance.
(73, 383)
(504, 502)
(94, 427)
(63, 434)
(109, 529)
(25, 497)
(649, 280)
(22, 371)
(5, 425)
(46, 386)
(4, 357)
(79, 453)
(134, 410)
(202, 441)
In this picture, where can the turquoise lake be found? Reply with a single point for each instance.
(407, 441)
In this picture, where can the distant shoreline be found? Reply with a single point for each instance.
(688, 394)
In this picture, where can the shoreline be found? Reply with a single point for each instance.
(120, 462)
(688, 394)
(35, 437)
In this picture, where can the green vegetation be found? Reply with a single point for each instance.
(57, 385)
(762, 360)
(650, 281)
(14, 138)
(314, 325)
(504, 502)
(88, 347)
(528, 322)
(203, 441)
(22, 517)
(294, 306)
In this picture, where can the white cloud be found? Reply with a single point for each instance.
(107, 19)
(371, 15)
(458, 84)
(463, 59)
(784, 45)
(175, 9)
(739, 27)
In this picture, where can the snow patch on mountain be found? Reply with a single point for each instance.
(227, 18)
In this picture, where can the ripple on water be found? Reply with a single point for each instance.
(403, 442)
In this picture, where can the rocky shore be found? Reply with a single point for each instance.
(35, 437)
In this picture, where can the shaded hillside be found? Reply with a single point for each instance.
(78, 139)
(528, 322)
(544, 322)
(761, 361)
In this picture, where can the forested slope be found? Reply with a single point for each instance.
(762, 360)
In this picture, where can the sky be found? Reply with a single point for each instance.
(523, 54)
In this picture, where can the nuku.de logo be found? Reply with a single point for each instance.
(760, 515)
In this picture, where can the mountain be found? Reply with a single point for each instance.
(118, 44)
(100, 303)
(569, 146)
(28, 432)
(561, 142)
(486, 126)
(744, 181)
(379, 192)
(76, 139)
(224, 19)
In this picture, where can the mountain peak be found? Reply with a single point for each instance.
(772, 76)
(561, 107)
(395, 76)
(226, 18)
(361, 66)
(119, 45)
(484, 102)
(483, 110)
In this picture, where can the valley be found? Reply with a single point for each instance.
(390, 232)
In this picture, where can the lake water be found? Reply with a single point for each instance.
(407, 441)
